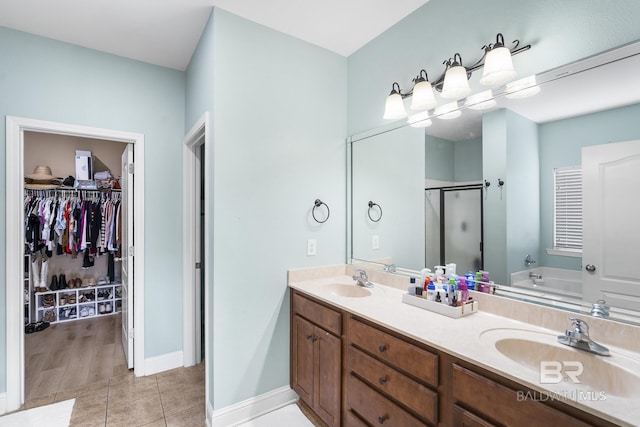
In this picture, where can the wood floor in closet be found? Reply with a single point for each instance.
(67, 356)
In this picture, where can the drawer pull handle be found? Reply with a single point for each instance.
(312, 338)
(309, 337)
(382, 380)
(382, 419)
(382, 348)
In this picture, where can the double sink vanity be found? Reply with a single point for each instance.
(360, 357)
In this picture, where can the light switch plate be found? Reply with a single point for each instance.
(311, 247)
(375, 242)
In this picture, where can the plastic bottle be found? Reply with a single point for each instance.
(412, 286)
(431, 292)
(451, 269)
(440, 274)
(425, 286)
(424, 273)
(464, 291)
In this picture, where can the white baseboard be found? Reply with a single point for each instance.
(164, 362)
(209, 415)
(3, 403)
(252, 408)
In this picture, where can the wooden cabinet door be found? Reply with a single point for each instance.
(302, 359)
(329, 353)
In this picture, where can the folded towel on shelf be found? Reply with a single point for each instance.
(102, 175)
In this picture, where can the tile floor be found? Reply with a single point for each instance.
(84, 360)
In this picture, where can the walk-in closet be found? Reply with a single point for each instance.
(73, 290)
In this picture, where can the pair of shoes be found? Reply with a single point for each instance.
(30, 328)
(41, 326)
(54, 283)
(62, 282)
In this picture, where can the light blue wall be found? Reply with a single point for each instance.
(522, 193)
(279, 126)
(389, 169)
(439, 159)
(494, 165)
(560, 145)
(560, 32)
(468, 160)
(49, 80)
(511, 214)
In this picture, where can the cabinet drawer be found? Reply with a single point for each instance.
(352, 420)
(500, 403)
(410, 393)
(464, 418)
(400, 354)
(375, 408)
(322, 316)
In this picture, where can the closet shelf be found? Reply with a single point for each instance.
(65, 305)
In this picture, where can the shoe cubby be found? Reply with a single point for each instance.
(79, 303)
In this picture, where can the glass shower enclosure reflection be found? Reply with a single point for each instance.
(453, 227)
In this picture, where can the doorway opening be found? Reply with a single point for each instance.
(16, 129)
(196, 238)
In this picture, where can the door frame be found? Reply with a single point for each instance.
(198, 136)
(14, 167)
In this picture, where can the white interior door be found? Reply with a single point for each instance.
(127, 252)
(611, 230)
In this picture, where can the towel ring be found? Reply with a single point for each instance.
(371, 205)
(316, 205)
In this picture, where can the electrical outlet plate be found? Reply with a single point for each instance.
(375, 242)
(311, 247)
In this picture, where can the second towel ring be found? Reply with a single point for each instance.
(316, 205)
(371, 205)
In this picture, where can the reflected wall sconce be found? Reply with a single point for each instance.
(454, 82)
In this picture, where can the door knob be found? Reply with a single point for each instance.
(590, 268)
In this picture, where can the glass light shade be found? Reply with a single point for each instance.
(420, 120)
(394, 107)
(498, 67)
(447, 111)
(423, 98)
(455, 85)
(522, 88)
(481, 101)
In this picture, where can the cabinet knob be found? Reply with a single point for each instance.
(382, 380)
(309, 337)
(382, 419)
(382, 348)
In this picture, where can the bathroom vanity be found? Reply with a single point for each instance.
(360, 357)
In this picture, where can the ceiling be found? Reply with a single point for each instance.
(166, 32)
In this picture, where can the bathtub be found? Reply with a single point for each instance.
(566, 284)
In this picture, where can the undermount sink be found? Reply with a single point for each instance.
(351, 291)
(615, 375)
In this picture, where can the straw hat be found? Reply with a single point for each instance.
(41, 173)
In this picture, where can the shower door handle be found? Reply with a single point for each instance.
(590, 268)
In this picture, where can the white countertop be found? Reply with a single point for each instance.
(469, 339)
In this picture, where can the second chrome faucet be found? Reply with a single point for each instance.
(361, 278)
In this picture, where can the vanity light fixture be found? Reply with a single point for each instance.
(447, 111)
(394, 107)
(420, 120)
(423, 97)
(480, 101)
(498, 66)
(522, 88)
(454, 81)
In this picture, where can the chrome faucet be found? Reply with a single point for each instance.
(578, 337)
(600, 309)
(362, 279)
(389, 268)
(534, 276)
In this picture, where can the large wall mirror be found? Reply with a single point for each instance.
(484, 190)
